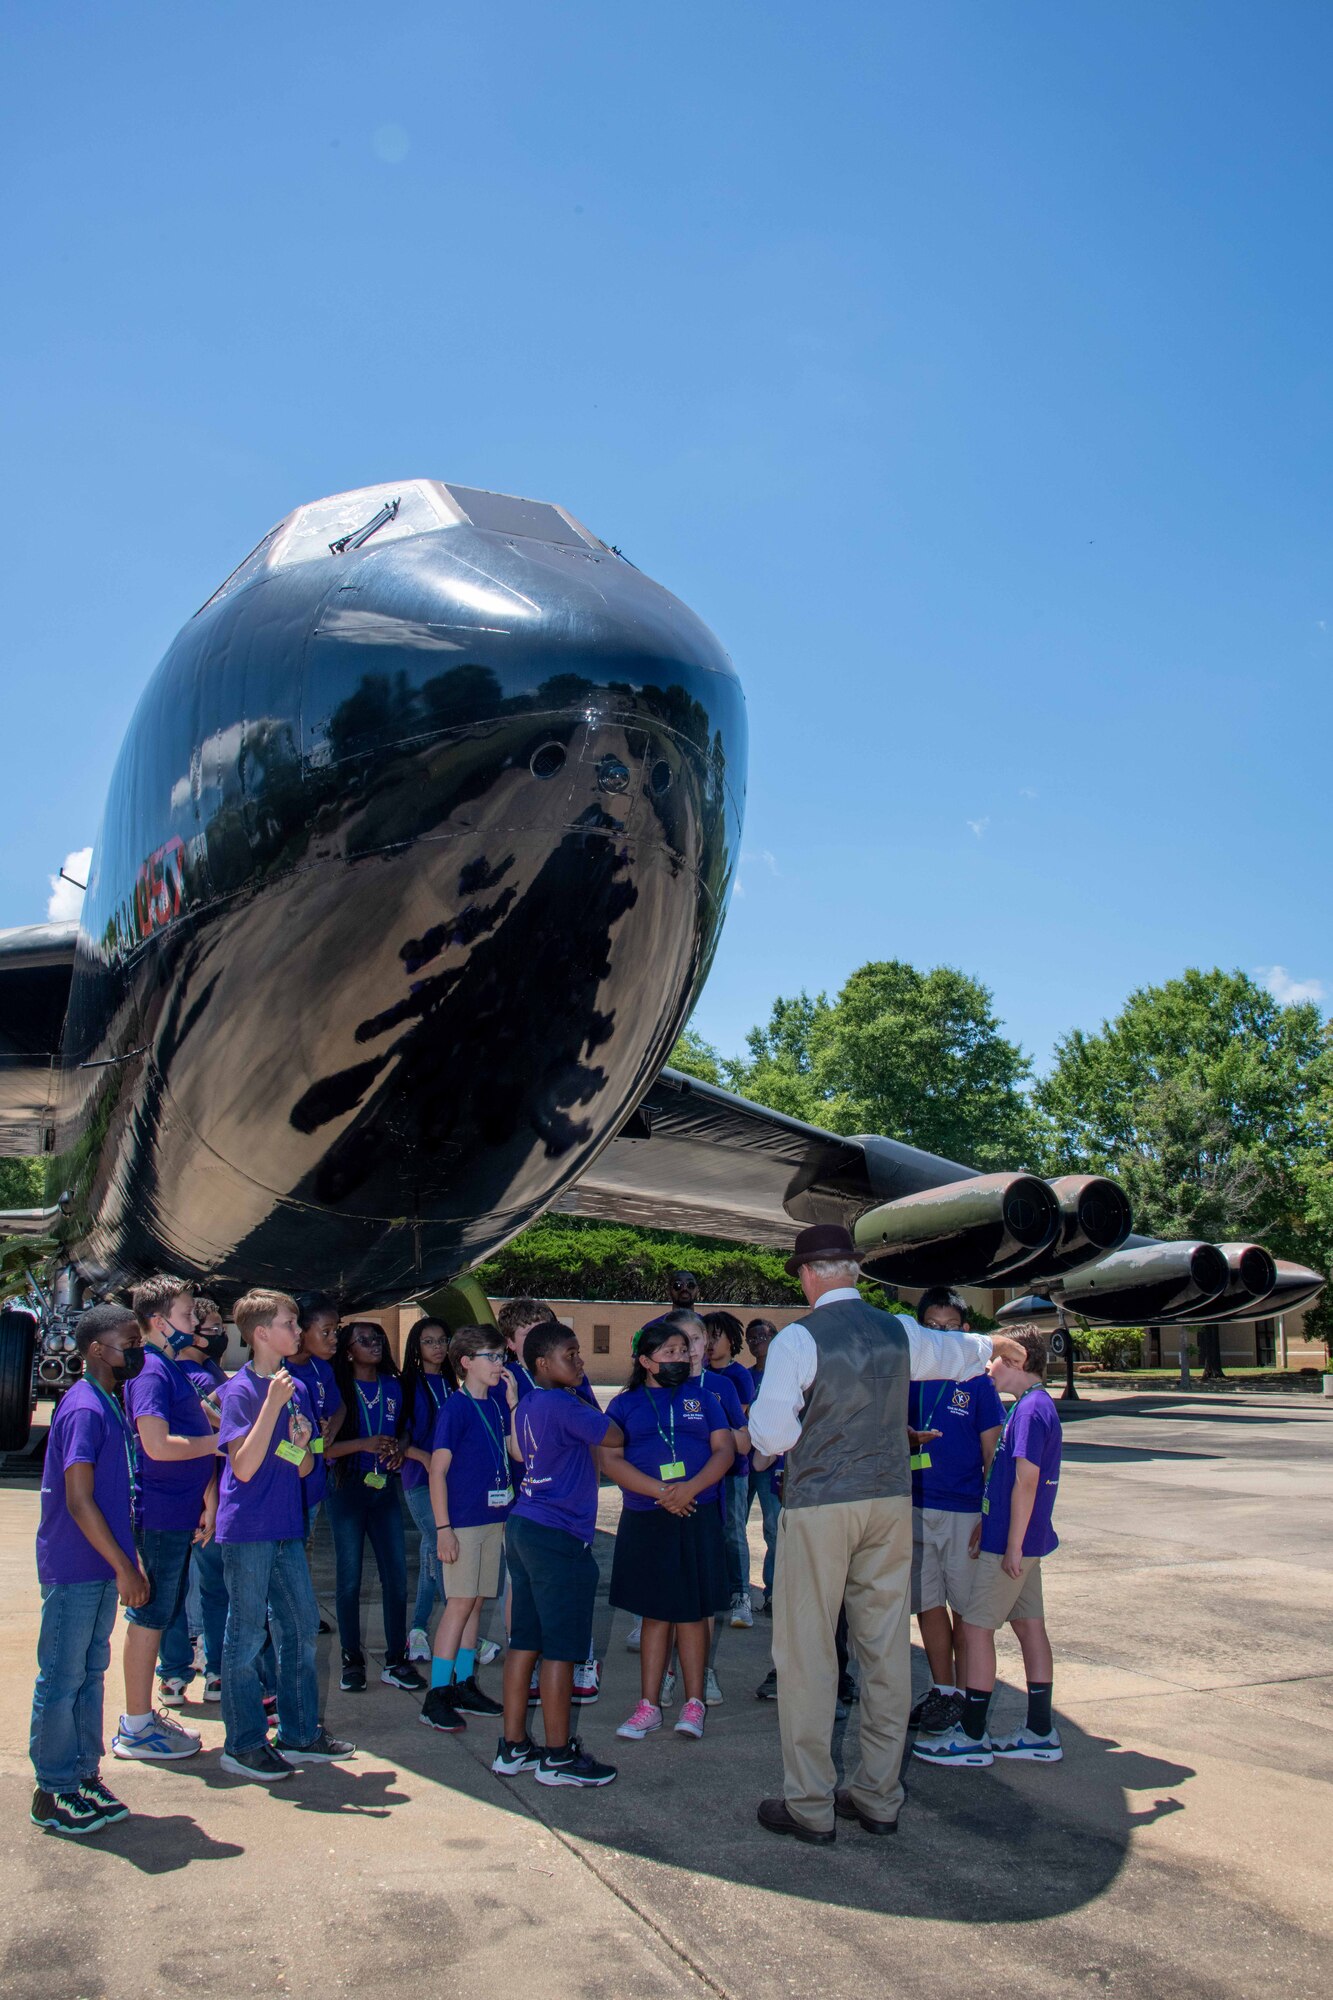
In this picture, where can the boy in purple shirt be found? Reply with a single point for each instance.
(175, 1502)
(85, 1559)
(205, 1606)
(548, 1543)
(1015, 1531)
(267, 1424)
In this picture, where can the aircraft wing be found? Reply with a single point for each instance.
(698, 1158)
(36, 965)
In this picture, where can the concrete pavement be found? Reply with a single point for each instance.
(1178, 1850)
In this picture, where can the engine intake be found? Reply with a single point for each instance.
(966, 1233)
(1095, 1218)
(1147, 1282)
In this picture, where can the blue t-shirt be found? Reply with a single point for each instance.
(476, 1430)
(169, 1491)
(87, 1429)
(1031, 1431)
(321, 1385)
(375, 1410)
(960, 1412)
(718, 1382)
(664, 1427)
(432, 1394)
(559, 1487)
(268, 1507)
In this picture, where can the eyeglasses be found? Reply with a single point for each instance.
(490, 1354)
(368, 1340)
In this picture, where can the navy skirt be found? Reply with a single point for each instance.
(669, 1566)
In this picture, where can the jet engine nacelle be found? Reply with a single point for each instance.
(1095, 1218)
(1148, 1282)
(1251, 1276)
(966, 1233)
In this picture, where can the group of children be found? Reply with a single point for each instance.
(191, 1497)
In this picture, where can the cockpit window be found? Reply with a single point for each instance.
(308, 534)
(505, 514)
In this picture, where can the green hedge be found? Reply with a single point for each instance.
(568, 1257)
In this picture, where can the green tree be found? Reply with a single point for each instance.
(919, 1056)
(696, 1057)
(22, 1183)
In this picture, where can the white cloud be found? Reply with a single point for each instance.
(769, 859)
(979, 826)
(738, 887)
(65, 901)
(1286, 990)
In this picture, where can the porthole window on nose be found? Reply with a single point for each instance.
(612, 775)
(660, 777)
(545, 763)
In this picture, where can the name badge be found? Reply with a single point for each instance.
(985, 1506)
(291, 1452)
(317, 1443)
(499, 1496)
(376, 1480)
(920, 1461)
(676, 1469)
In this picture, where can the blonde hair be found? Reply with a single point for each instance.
(260, 1308)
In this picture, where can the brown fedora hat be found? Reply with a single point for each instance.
(824, 1239)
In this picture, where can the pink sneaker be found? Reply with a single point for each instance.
(692, 1719)
(645, 1719)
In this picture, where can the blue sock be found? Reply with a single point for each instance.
(467, 1660)
(441, 1672)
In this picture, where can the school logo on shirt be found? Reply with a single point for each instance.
(692, 1407)
(961, 1400)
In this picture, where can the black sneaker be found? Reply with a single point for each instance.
(438, 1711)
(768, 1687)
(848, 1691)
(66, 1812)
(354, 1674)
(402, 1674)
(322, 1749)
(935, 1714)
(324, 1628)
(106, 1802)
(511, 1758)
(469, 1699)
(572, 1766)
(262, 1763)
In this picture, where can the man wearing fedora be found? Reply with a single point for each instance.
(834, 1399)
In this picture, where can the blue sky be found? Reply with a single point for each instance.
(965, 366)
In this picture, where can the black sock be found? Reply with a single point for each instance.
(1039, 1707)
(975, 1703)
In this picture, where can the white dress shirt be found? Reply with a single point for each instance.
(792, 1359)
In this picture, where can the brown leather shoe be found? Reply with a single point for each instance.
(845, 1806)
(773, 1815)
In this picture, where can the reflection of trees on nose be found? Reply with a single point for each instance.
(494, 1046)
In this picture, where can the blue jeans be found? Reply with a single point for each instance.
(430, 1581)
(736, 1494)
(175, 1658)
(770, 1507)
(356, 1511)
(73, 1653)
(269, 1582)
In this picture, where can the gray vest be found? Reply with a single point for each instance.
(853, 1442)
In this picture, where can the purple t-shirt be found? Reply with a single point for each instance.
(87, 1429)
(433, 1393)
(1032, 1431)
(170, 1490)
(559, 1489)
(376, 1407)
(321, 1385)
(718, 1382)
(205, 1374)
(664, 1427)
(525, 1383)
(960, 1412)
(476, 1430)
(268, 1507)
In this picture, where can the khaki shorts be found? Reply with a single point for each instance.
(998, 1599)
(477, 1571)
(942, 1570)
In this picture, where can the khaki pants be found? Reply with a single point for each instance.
(860, 1552)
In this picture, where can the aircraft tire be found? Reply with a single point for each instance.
(18, 1334)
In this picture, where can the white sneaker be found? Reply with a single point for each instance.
(667, 1694)
(634, 1637)
(587, 1682)
(954, 1746)
(1027, 1747)
(159, 1743)
(712, 1692)
(741, 1615)
(488, 1653)
(418, 1644)
(171, 1693)
(645, 1719)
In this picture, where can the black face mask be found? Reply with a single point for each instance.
(673, 1374)
(214, 1344)
(129, 1365)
